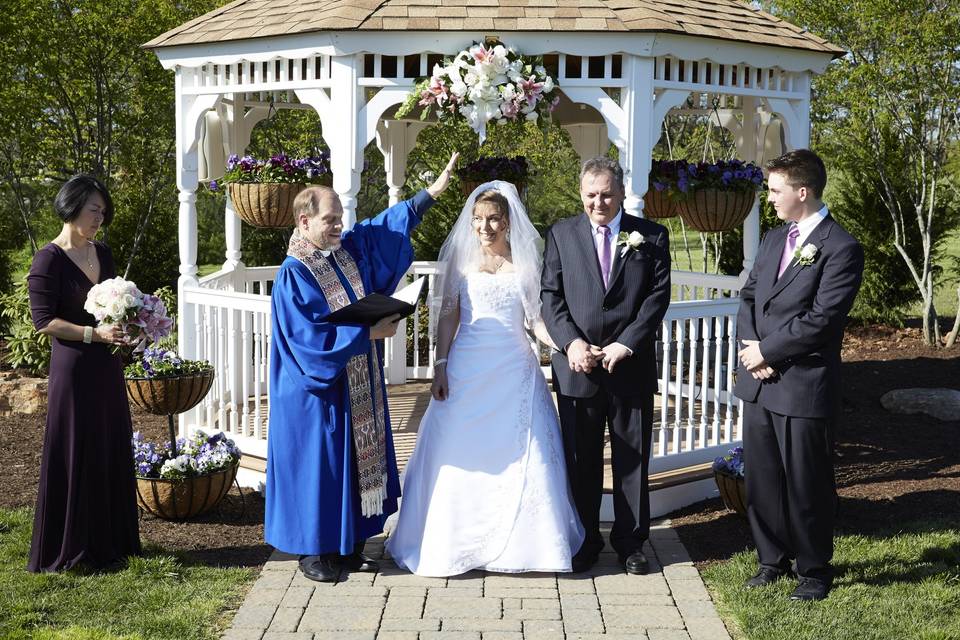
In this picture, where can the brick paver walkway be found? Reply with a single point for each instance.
(670, 603)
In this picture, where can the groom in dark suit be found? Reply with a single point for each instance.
(793, 310)
(605, 290)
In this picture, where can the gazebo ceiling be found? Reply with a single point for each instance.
(722, 19)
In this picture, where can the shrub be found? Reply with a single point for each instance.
(26, 347)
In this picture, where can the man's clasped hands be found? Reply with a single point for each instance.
(753, 360)
(583, 356)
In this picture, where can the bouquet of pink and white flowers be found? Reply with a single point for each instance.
(483, 84)
(142, 317)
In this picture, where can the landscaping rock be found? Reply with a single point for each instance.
(22, 395)
(940, 403)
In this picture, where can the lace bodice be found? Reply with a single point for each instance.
(491, 296)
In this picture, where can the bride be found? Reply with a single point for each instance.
(486, 487)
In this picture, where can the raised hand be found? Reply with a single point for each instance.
(443, 180)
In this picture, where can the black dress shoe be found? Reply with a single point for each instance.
(810, 589)
(635, 563)
(765, 576)
(357, 561)
(583, 561)
(320, 568)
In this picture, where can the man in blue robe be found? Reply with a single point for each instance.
(331, 470)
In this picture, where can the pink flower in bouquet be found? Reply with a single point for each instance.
(152, 318)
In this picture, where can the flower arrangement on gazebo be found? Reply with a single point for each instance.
(485, 84)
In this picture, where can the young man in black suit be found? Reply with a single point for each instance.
(793, 311)
(603, 301)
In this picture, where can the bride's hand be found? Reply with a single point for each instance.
(440, 390)
(440, 184)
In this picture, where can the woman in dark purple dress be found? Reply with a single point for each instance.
(86, 502)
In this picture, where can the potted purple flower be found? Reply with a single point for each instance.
(660, 200)
(184, 477)
(163, 383)
(474, 174)
(716, 196)
(262, 191)
(728, 474)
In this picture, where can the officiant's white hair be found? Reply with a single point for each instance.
(461, 253)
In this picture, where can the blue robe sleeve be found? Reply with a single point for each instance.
(384, 241)
(312, 353)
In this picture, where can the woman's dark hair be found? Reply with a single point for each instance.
(75, 192)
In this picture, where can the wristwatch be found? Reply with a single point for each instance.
(88, 334)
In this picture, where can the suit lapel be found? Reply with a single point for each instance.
(584, 233)
(627, 225)
(816, 238)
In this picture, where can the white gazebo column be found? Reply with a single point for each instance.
(750, 149)
(239, 124)
(395, 139)
(189, 110)
(346, 150)
(231, 222)
(635, 155)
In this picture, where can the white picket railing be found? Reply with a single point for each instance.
(697, 416)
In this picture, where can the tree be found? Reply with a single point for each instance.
(79, 95)
(895, 95)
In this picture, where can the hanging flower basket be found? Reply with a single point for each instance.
(657, 205)
(184, 498)
(262, 191)
(728, 473)
(266, 205)
(711, 210)
(514, 170)
(733, 491)
(169, 395)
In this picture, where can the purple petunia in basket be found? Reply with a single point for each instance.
(197, 455)
(730, 464)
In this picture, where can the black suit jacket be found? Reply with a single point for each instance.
(629, 311)
(799, 320)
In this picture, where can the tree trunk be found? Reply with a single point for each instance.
(952, 336)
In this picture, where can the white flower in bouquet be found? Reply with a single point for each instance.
(483, 84)
(142, 317)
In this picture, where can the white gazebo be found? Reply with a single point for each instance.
(622, 66)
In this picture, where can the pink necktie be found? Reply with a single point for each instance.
(788, 248)
(604, 253)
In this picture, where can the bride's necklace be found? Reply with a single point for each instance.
(497, 263)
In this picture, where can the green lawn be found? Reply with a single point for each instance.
(904, 585)
(156, 597)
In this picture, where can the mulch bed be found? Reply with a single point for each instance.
(890, 468)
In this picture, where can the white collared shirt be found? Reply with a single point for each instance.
(807, 225)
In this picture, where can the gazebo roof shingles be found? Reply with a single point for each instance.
(725, 19)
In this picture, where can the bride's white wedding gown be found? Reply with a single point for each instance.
(486, 487)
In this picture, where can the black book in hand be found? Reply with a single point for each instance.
(371, 308)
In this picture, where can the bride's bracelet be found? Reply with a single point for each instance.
(439, 362)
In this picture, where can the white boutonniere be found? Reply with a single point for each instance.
(633, 240)
(805, 255)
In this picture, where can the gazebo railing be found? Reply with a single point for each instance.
(231, 330)
(696, 418)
